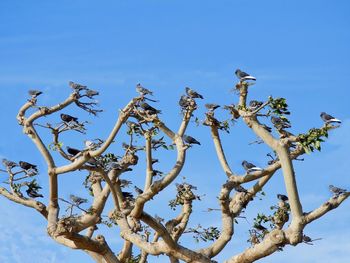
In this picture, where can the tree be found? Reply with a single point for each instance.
(151, 234)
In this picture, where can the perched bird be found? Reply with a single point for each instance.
(280, 123)
(283, 198)
(336, 190)
(260, 227)
(142, 90)
(254, 104)
(68, 118)
(33, 193)
(76, 86)
(27, 166)
(34, 93)
(127, 195)
(243, 76)
(190, 140)
(250, 167)
(183, 102)
(72, 151)
(8, 163)
(91, 145)
(91, 93)
(149, 108)
(77, 200)
(212, 106)
(232, 110)
(329, 118)
(193, 94)
(138, 190)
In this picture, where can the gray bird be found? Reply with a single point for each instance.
(250, 167)
(193, 94)
(329, 118)
(254, 104)
(33, 193)
(280, 123)
(76, 86)
(190, 140)
(34, 93)
(91, 93)
(142, 90)
(336, 190)
(8, 163)
(240, 189)
(27, 166)
(212, 106)
(68, 118)
(149, 108)
(72, 151)
(283, 198)
(243, 75)
(183, 102)
(77, 200)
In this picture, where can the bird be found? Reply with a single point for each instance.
(243, 75)
(76, 86)
(336, 190)
(212, 106)
(190, 140)
(329, 118)
(250, 167)
(91, 145)
(240, 189)
(280, 123)
(72, 151)
(90, 93)
(34, 93)
(183, 102)
(33, 193)
(193, 94)
(27, 166)
(260, 227)
(254, 104)
(142, 90)
(77, 200)
(149, 108)
(283, 198)
(127, 195)
(68, 118)
(8, 163)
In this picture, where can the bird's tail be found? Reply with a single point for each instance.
(335, 120)
(249, 78)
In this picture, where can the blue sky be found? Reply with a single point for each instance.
(296, 49)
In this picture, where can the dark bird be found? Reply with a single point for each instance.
(34, 93)
(329, 118)
(127, 195)
(254, 104)
(8, 163)
(76, 86)
(336, 190)
(72, 151)
(33, 193)
(142, 90)
(183, 102)
(250, 167)
(68, 118)
(193, 94)
(240, 189)
(232, 110)
(283, 198)
(190, 140)
(280, 123)
(27, 166)
(149, 108)
(77, 200)
(212, 106)
(138, 190)
(243, 75)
